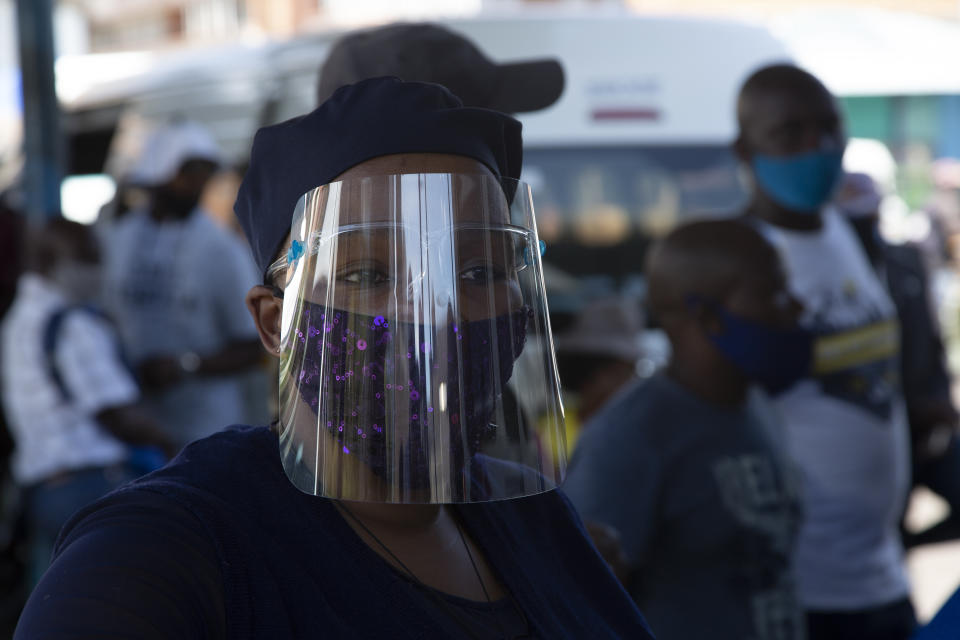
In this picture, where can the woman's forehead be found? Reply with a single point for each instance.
(416, 163)
(478, 192)
(434, 200)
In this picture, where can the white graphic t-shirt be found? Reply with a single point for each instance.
(846, 425)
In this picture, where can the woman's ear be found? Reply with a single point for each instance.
(266, 310)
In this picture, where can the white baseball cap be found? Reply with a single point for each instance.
(166, 149)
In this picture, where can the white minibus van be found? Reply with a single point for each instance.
(638, 141)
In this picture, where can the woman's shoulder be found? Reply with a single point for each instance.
(168, 567)
(533, 517)
(182, 537)
(228, 461)
(221, 483)
(153, 510)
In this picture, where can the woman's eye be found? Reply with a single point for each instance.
(364, 277)
(483, 273)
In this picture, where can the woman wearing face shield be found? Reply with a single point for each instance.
(411, 497)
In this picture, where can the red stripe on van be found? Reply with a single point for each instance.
(626, 114)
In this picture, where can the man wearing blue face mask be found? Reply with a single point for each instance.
(687, 465)
(845, 422)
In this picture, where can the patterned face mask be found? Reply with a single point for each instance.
(366, 378)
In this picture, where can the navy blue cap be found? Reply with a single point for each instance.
(362, 121)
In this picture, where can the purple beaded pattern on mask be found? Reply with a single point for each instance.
(351, 363)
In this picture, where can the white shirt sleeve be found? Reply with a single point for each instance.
(88, 360)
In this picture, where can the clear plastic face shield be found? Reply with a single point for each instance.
(417, 362)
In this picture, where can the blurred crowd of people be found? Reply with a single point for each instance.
(754, 487)
(123, 341)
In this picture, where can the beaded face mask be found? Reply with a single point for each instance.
(341, 351)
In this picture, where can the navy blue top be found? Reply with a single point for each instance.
(219, 544)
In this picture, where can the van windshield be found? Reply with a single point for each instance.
(598, 208)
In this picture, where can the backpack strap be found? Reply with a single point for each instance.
(51, 337)
(142, 458)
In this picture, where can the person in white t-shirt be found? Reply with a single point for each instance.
(845, 424)
(70, 402)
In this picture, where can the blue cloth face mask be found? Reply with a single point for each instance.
(776, 359)
(801, 182)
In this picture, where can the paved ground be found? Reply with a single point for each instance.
(934, 569)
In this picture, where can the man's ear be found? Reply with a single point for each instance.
(741, 149)
(706, 316)
(266, 310)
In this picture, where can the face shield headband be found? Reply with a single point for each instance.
(417, 363)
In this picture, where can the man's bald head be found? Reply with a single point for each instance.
(782, 109)
(774, 81)
(705, 259)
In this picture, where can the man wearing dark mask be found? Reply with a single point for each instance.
(846, 421)
(687, 465)
(174, 278)
(70, 401)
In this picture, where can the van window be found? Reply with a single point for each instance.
(598, 208)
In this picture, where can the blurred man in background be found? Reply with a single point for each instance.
(175, 283)
(932, 416)
(217, 200)
(687, 465)
(846, 423)
(71, 403)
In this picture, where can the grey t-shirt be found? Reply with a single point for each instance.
(176, 287)
(705, 508)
